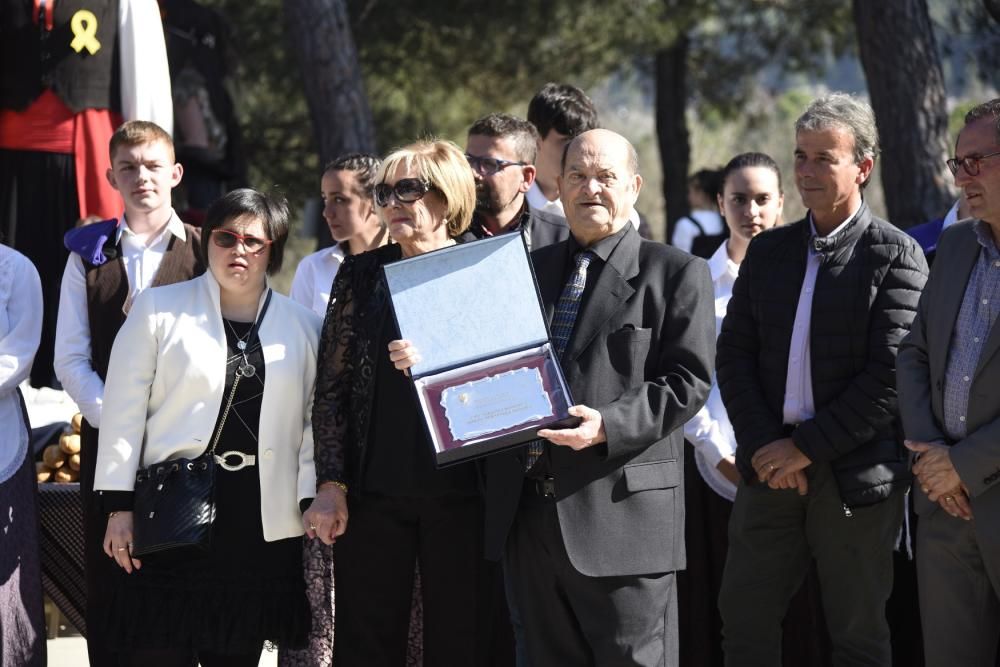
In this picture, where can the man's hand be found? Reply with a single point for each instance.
(778, 460)
(796, 480)
(403, 355)
(956, 503)
(590, 431)
(326, 517)
(934, 470)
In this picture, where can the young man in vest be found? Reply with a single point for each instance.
(110, 262)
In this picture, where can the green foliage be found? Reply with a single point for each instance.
(433, 68)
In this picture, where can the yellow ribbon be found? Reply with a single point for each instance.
(84, 27)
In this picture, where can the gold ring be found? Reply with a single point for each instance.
(949, 499)
(121, 548)
(770, 466)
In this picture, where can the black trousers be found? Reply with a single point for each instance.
(373, 581)
(572, 619)
(38, 205)
(100, 572)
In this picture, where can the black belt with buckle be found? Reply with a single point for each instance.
(543, 488)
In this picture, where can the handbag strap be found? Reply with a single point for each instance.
(232, 392)
(238, 375)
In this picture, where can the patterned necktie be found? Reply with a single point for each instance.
(562, 326)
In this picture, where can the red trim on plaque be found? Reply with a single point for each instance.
(433, 391)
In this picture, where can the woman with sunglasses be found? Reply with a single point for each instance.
(374, 462)
(220, 358)
(349, 211)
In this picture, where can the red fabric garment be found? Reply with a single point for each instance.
(48, 126)
(50, 11)
(45, 127)
(91, 136)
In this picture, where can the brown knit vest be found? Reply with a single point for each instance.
(107, 291)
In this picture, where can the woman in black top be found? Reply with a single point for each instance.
(373, 458)
(218, 357)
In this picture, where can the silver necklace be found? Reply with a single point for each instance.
(245, 369)
(241, 341)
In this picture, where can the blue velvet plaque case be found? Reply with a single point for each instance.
(488, 378)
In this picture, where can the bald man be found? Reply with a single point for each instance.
(590, 520)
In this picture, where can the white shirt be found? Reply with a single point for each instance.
(72, 350)
(20, 331)
(314, 276)
(951, 217)
(539, 202)
(710, 430)
(686, 231)
(145, 74)
(799, 403)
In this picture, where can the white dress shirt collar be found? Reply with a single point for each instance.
(174, 226)
(719, 264)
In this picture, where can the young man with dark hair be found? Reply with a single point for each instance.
(559, 112)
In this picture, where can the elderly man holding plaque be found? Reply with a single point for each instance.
(373, 457)
(590, 520)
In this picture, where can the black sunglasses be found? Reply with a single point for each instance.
(969, 164)
(487, 166)
(406, 190)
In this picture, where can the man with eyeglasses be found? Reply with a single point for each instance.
(501, 150)
(948, 373)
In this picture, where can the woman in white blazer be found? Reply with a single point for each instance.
(173, 367)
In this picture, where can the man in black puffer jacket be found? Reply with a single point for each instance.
(806, 367)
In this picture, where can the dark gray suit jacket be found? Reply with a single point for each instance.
(641, 353)
(920, 370)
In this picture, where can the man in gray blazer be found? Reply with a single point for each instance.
(948, 375)
(590, 521)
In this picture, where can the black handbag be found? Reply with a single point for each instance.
(174, 501)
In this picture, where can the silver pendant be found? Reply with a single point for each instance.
(241, 344)
(246, 370)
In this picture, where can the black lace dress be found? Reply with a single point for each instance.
(240, 592)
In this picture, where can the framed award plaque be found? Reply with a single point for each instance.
(488, 378)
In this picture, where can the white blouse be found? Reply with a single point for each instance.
(313, 279)
(20, 332)
(710, 430)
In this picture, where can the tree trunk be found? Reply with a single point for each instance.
(671, 128)
(321, 39)
(906, 85)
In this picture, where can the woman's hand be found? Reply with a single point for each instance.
(326, 517)
(727, 466)
(403, 355)
(118, 541)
